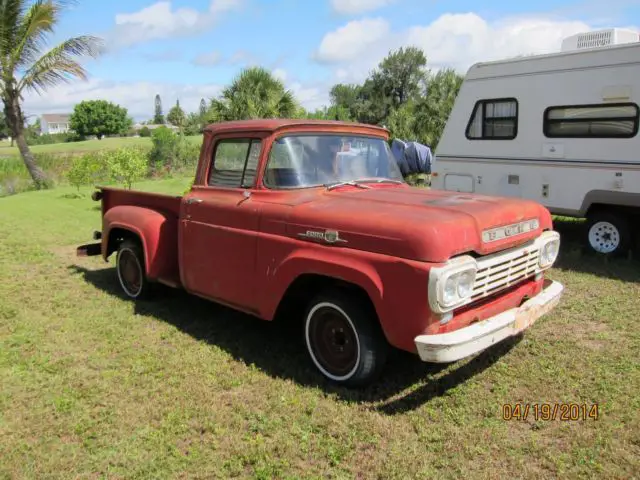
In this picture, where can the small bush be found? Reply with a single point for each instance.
(86, 170)
(144, 132)
(126, 165)
(48, 139)
(171, 152)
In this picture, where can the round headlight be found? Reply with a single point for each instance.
(465, 284)
(449, 292)
(549, 253)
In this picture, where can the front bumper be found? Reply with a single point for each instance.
(452, 346)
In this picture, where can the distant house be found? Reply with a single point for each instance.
(54, 123)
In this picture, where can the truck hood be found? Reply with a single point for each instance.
(413, 223)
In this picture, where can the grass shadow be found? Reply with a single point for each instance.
(278, 349)
(576, 256)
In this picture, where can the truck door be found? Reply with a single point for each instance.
(219, 224)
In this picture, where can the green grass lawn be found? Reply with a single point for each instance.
(87, 146)
(95, 386)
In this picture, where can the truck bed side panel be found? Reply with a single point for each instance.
(112, 197)
(154, 219)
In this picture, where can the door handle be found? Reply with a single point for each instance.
(192, 200)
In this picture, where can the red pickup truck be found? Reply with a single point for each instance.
(313, 218)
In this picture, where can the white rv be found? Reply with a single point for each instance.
(560, 129)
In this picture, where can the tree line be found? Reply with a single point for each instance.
(401, 93)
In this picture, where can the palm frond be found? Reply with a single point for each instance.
(11, 11)
(34, 27)
(60, 64)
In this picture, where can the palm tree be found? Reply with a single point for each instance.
(255, 93)
(24, 28)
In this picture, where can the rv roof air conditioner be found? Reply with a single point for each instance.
(599, 38)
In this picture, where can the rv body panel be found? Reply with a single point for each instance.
(541, 148)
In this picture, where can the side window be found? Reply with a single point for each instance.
(235, 163)
(618, 120)
(287, 163)
(494, 120)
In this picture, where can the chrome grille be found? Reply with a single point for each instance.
(504, 269)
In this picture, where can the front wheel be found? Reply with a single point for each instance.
(608, 233)
(344, 339)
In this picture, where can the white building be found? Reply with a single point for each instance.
(54, 123)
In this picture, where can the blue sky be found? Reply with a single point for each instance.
(190, 49)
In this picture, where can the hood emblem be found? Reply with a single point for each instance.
(328, 236)
(500, 233)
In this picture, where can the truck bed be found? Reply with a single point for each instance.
(111, 197)
(155, 216)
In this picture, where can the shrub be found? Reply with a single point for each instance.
(48, 139)
(126, 165)
(171, 151)
(164, 141)
(86, 169)
(144, 132)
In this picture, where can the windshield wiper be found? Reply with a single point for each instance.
(378, 180)
(353, 183)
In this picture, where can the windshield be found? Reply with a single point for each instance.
(311, 160)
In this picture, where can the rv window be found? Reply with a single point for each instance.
(619, 120)
(494, 120)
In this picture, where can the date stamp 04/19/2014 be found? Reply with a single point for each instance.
(564, 412)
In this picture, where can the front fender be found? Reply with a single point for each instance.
(330, 264)
(157, 231)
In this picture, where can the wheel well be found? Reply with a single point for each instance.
(118, 235)
(304, 287)
(616, 209)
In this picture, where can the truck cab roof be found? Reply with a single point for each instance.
(275, 124)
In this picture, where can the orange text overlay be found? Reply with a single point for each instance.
(564, 412)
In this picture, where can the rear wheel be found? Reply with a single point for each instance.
(130, 267)
(608, 233)
(343, 339)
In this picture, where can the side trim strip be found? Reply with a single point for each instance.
(577, 163)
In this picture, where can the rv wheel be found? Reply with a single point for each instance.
(607, 233)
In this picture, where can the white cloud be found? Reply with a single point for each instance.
(352, 40)
(208, 59)
(217, 6)
(459, 40)
(160, 20)
(310, 96)
(164, 56)
(354, 7)
(280, 74)
(137, 97)
(452, 40)
(242, 57)
(237, 58)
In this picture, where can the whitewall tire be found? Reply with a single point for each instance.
(343, 338)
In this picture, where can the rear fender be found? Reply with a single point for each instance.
(158, 233)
